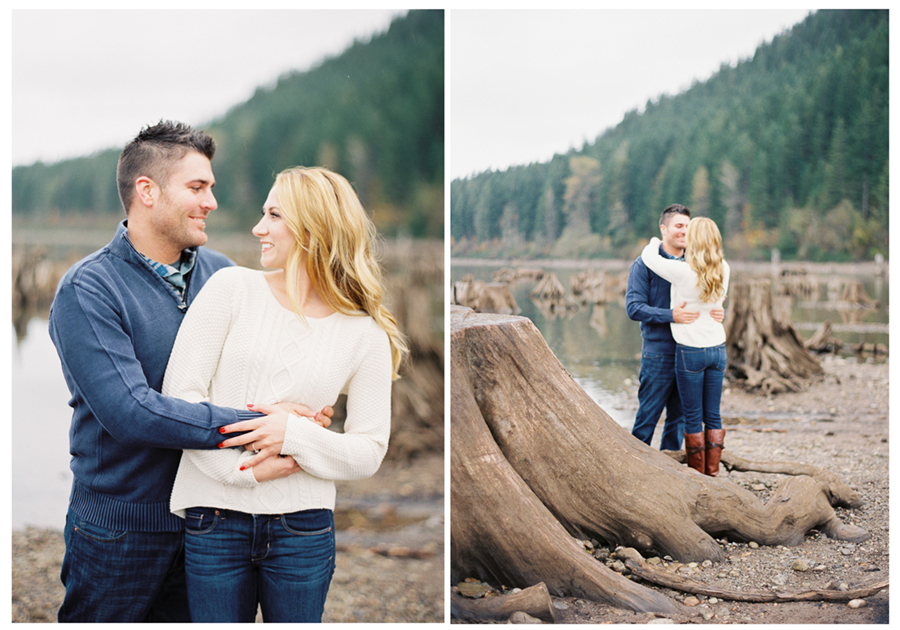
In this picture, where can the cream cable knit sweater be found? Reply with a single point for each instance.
(238, 345)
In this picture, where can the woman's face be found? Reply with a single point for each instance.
(274, 235)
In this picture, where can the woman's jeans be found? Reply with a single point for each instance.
(699, 373)
(235, 560)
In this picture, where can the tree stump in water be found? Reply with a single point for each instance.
(764, 351)
(535, 461)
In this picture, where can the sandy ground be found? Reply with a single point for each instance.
(390, 560)
(840, 423)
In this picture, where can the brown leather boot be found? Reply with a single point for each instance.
(715, 442)
(695, 447)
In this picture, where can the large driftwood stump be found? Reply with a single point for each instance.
(535, 461)
(764, 352)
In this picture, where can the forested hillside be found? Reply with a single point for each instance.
(374, 113)
(786, 150)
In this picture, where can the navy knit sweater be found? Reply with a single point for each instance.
(113, 322)
(648, 300)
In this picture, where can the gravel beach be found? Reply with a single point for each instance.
(390, 559)
(839, 423)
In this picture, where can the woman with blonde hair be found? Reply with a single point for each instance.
(700, 358)
(260, 530)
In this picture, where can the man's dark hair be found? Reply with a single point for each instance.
(153, 153)
(675, 208)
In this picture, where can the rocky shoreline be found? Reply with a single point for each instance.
(390, 560)
(839, 423)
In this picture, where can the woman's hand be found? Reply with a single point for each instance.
(266, 434)
(274, 468)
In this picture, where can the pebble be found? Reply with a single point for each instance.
(753, 545)
(560, 605)
(856, 603)
(521, 617)
(691, 601)
(800, 565)
(473, 589)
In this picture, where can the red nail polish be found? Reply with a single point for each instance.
(242, 468)
(250, 406)
(220, 444)
(221, 429)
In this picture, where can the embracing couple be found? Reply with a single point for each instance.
(676, 289)
(201, 392)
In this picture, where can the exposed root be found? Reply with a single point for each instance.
(635, 563)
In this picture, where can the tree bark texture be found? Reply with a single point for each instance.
(535, 461)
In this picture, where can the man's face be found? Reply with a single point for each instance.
(179, 216)
(674, 232)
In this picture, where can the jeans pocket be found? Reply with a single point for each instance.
(98, 533)
(200, 521)
(692, 360)
(308, 522)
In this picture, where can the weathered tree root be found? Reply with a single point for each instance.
(635, 563)
(534, 461)
(839, 493)
(534, 601)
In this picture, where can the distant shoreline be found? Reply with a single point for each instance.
(868, 269)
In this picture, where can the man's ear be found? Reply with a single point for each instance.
(146, 190)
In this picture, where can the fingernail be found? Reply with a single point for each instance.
(242, 468)
(250, 406)
(221, 429)
(221, 444)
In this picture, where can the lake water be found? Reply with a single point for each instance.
(41, 478)
(601, 347)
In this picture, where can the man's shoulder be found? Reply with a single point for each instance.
(94, 266)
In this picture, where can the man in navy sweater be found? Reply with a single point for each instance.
(113, 321)
(648, 300)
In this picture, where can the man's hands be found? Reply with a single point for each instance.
(322, 418)
(266, 434)
(680, 315)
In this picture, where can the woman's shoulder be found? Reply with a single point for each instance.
(230, 280)
(358, 327)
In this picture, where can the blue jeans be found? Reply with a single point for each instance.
(234, 561)
(657, 392)
(120, 576)
(700, 372)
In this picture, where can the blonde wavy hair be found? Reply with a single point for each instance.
(329, 223)
(703, 252)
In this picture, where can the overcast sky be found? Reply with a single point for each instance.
(89, 80)
(528, 84)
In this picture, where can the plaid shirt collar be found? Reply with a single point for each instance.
(175, 275)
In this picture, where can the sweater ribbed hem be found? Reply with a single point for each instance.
(659, 346)
(106, 511)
